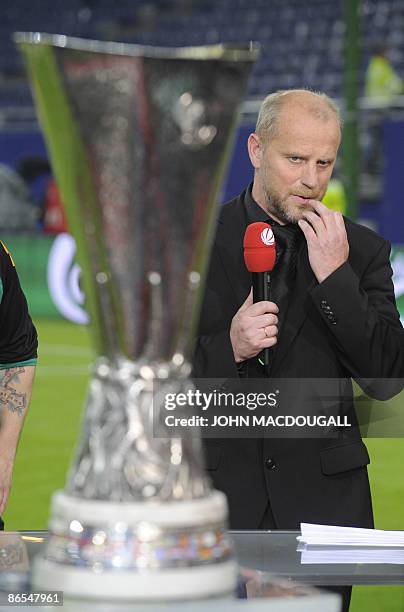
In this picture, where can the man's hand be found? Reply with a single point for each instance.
(326, 239)
(253, 328)
(6, 471)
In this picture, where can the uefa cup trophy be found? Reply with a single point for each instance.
(138, 138)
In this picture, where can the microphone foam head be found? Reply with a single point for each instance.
(259, 247)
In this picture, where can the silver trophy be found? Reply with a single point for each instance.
(139, 138)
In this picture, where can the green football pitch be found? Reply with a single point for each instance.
(53, 425)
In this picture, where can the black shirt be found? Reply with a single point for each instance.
(18, 337)
(255, 213)
(284, 234)
(281, 284)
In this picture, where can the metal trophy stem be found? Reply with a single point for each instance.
(138, 139)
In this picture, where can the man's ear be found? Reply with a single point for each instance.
(255, 150)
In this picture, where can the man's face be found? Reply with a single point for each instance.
(295, 164)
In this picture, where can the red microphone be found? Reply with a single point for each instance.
(259, 257)
(259, 247)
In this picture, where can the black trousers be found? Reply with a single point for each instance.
(268, 522)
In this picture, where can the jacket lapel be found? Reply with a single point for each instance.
(229, 239)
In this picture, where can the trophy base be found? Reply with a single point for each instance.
(143, 552)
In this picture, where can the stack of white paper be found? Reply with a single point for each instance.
(332, 544)
(339, 554)
(331, 535)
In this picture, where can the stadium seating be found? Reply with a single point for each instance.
(302, 42)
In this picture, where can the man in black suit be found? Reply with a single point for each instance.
(338, 320)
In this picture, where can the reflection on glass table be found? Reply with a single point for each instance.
(256, 590)
(278, 552)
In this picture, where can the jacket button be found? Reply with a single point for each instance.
(270, 464)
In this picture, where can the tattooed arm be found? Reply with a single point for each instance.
(15, 394)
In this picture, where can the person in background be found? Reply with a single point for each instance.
(335, 196)
(383, 86)
(18, 357)
(17, 208)
(382, 83)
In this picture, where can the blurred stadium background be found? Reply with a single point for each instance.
(337, 46)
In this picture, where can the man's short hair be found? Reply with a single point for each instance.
(273, 103)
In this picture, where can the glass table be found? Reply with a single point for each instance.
(271, 568)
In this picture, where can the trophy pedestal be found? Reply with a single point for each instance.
(147, 551)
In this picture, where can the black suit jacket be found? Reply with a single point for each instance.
(346, 327)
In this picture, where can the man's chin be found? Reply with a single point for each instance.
(287, 211)
(292, 214)
(293, 211)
